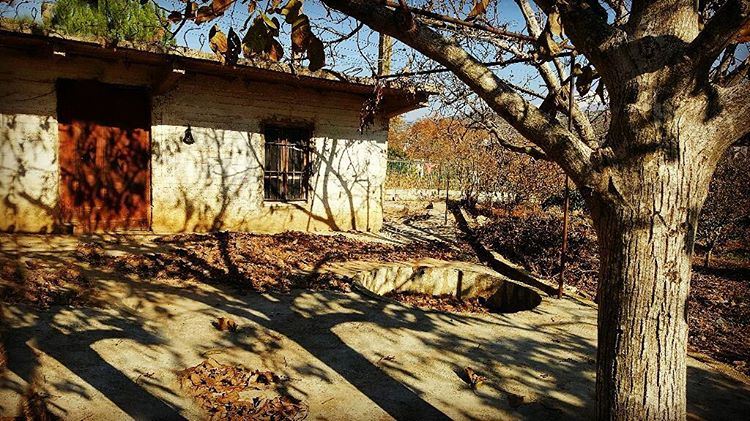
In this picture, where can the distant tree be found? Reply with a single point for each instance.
(395, 153)
(453, 148)
(727, 206)
(115, 20)
(397, 138)
(480, 161)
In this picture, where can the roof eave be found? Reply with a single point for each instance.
(193, 61)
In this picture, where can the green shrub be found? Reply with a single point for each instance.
(115, 20)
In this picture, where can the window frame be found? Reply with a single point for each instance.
(283, 173)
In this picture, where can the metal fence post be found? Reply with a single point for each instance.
(447, 189)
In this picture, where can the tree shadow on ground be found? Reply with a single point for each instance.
(491, 259)
(338, 339)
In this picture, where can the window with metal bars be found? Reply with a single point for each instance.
(286, 171)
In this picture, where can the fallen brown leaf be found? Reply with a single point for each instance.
(387, 358)
(195, 378)
(475, 380)
(225, 324)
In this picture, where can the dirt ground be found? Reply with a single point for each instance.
(128, 316)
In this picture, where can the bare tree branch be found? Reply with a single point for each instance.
(479, 120)
(456, 21)
(535, 153)
(620, 9)
(722, 70)
(585, 22)
(548, 134)
(718, 33)
(581, 123)
(347, 36)
(501, 63)
(739, 73)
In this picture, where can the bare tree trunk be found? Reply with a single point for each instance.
(642, 323)
(646, 239)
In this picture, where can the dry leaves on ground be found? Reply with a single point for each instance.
(533, 240)
(39, 284)
(719, 313)
(269, 263)
(90, 252)
(473, 378)
(719, 300)
(447, 303)
(225, 324)
(256, 262)
(226, 392)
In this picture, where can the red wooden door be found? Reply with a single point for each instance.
(105, 155)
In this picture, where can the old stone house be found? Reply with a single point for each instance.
(101, 138)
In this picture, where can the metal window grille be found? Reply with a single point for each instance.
(287, 164)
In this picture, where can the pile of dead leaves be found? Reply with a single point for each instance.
(447, 303)
(230, 392)
(324, 281)
(41, 285)
(533, 239)
(719, 312)
(269, 263)
(90, 252)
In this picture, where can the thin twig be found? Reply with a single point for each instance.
(475, 25)
(443, 69)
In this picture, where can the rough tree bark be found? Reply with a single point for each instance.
(646, 229)
(645, 184)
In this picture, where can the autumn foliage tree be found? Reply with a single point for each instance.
(477, 162)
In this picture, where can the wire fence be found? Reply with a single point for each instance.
(433, 179)
(417, 174)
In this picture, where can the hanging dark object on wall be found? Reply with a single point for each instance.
(187, 138)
